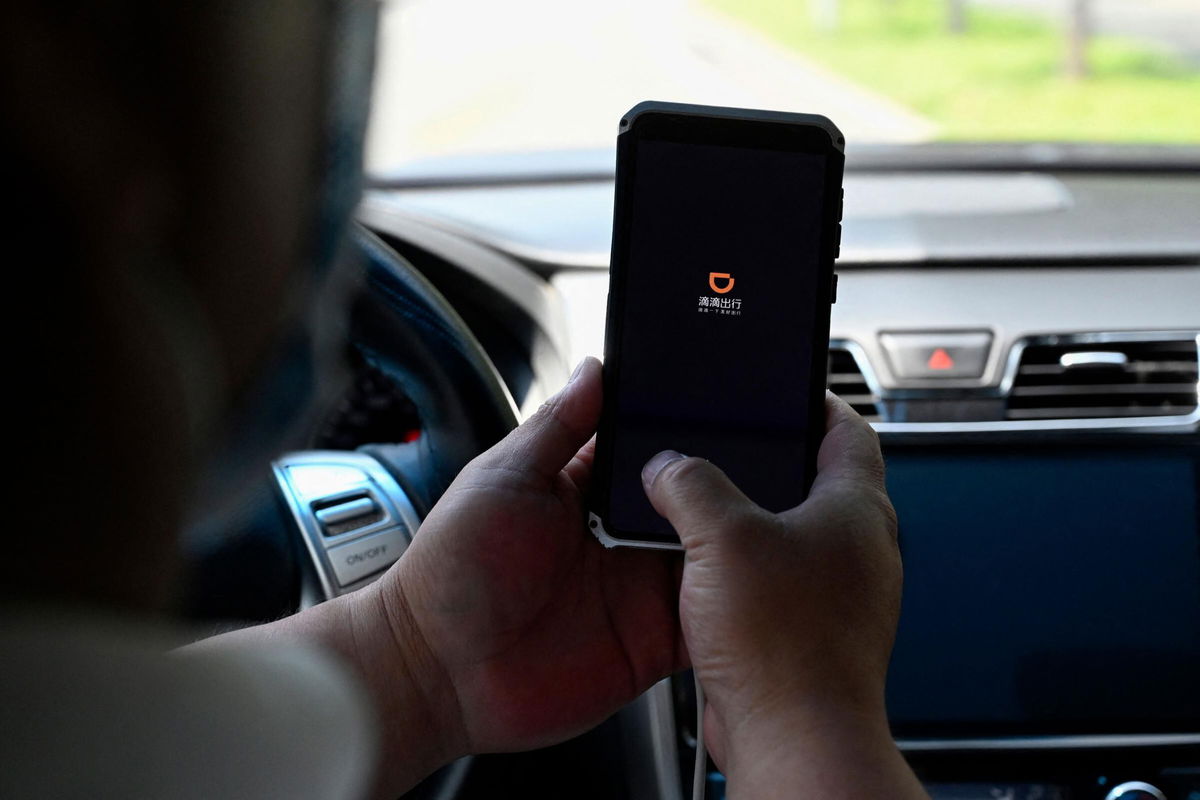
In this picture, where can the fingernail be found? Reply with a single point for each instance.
(656, 464)
(578, 369)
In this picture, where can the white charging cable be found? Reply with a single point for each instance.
(700, 771)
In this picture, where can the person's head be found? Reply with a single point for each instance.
(176, 173)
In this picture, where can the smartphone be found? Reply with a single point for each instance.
(726, 226)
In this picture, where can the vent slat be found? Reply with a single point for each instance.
(1137, 368)
(1159, 378)
(1105, 389)
(1099, 412)
(1183, 349)
(846, 380)
(857, 399)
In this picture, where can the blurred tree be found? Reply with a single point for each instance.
(1078, 32)
(825, 15)
(956, 16)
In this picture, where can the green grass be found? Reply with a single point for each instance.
(1003, 79)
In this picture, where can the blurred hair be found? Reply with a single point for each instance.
(161, 160)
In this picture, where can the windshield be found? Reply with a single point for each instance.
(480, 76)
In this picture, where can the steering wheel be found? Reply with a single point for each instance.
(351, 513)
(407, 335)
(407, 330)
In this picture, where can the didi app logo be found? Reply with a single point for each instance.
(714, 278)
(721, 283)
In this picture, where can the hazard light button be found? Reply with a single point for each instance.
(937, 355)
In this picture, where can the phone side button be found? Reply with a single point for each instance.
(833, 290)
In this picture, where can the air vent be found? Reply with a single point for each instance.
(847, 382)
(1105, 377)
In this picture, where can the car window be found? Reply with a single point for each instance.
(473, 76)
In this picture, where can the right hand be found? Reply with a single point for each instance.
(789, 618)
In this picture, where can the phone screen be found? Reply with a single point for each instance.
(718, 311)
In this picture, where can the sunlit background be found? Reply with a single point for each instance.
(480, 76)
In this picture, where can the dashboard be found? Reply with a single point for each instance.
(1023, 333)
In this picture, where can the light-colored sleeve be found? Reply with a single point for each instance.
(97, 714)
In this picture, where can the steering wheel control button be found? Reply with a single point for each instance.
(1135, 790)
(348, 513)
(311, 481)
(921, 356)
(356, 560)
(352, 517)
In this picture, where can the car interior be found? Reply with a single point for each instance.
(1018, 320)
(1021, 329)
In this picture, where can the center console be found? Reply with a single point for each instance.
(1049, 643)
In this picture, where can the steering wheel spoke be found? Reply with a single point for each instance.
(353, 517)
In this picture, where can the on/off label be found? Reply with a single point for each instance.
(356, 560)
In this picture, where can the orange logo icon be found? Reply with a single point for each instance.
(713, 277)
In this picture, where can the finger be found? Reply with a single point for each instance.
(850, 468)
(850, 450)
(542, 445)
(579, 470)
(695, 496)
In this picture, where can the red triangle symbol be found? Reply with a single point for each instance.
(940, 360)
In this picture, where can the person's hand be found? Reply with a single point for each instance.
(521, 626)
(789, 618)
(505, 625)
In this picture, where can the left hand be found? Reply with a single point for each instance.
(511, 613)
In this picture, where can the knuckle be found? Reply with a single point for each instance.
(872, 433)
(877, 474)
(697, 482)
(865, 508)
(892, 520)
(865, 477)
(547, 410)
(549, 417)
(867, 431)
(887, 513)
(680, 477)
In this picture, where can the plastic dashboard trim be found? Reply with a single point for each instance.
(663, 734)
(1180, 423)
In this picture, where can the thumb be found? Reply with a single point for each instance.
(543, 444)
(696, 497)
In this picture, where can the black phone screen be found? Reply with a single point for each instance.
(717, 308)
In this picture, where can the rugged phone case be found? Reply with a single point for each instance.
(828, 254)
